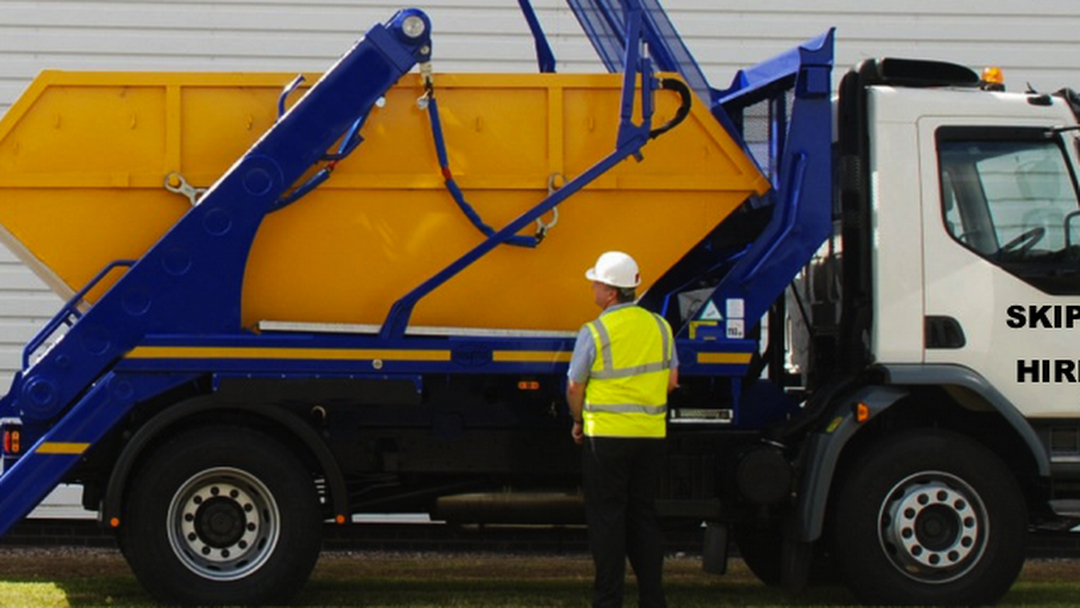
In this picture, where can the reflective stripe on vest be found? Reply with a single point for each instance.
(626, 395)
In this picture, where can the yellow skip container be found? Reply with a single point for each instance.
(84, 157)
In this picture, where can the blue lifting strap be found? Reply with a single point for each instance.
(455, 191)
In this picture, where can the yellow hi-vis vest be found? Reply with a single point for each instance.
(626, 395)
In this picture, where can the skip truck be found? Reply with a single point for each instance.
(363, 298)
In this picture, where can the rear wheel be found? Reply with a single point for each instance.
(222, 516)
(929, 517)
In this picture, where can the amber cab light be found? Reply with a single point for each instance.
(862, 412)
(993, 78)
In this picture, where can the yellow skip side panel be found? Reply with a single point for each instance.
(83, 157)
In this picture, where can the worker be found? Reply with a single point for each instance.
(622, 369)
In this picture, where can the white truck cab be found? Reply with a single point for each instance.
(978, 239)
(954, 283)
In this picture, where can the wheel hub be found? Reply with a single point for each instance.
(223, 524)
(933, 527)
(220, 522)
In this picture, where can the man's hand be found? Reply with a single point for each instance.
(575, 397)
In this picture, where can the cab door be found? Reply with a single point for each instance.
(1001, 259)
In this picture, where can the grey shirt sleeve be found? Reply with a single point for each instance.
(581, 361)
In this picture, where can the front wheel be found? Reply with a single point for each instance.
(929, 517)
(760, 546)
(222, 516)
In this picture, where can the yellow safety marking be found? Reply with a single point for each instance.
(723, 358)
(531, 356)
(694, 325)
(319, 354)
(56, 447)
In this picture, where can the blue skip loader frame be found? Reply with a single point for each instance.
(173, 318)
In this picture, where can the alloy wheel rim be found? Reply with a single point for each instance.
(933, 527)
(223, 524)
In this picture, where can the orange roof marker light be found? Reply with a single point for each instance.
(993, 79)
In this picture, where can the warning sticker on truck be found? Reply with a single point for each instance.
(736, 325)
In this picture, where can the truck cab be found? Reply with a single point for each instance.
(994, 176)
(954, 279)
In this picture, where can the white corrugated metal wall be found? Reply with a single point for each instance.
(1036, 42)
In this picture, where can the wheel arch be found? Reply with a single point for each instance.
(208, 410)
(941, 396)
(967, 394)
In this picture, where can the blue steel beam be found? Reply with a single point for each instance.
(189, 283)
(802, 196)
(46, 463)
(544, 57)
(368, 355)
(811, 61)
(185, 292)
(605, 24)
(629, 141)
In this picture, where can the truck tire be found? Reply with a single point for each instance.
(760, 546)
(225, 515)
(929, 517)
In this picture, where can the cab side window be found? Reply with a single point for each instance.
(1009, 196)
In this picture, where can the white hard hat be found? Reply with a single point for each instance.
(615, 268)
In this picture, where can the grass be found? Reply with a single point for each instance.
(76, 578)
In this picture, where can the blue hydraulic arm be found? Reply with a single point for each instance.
(190, 281)
(605, 23)
(800, 149)
(797, 157)
(544, 57)
(629, 141)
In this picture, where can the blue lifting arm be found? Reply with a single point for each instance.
(605, 23)
(544, 57)
(629, 141)
(191, 280)
(792, 92)
(799, 146)
(796, 155)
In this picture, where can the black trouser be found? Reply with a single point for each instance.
(622, 478)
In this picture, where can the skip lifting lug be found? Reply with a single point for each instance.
(428, 79)
(174, 182)
(543, 227)
(427, 102)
